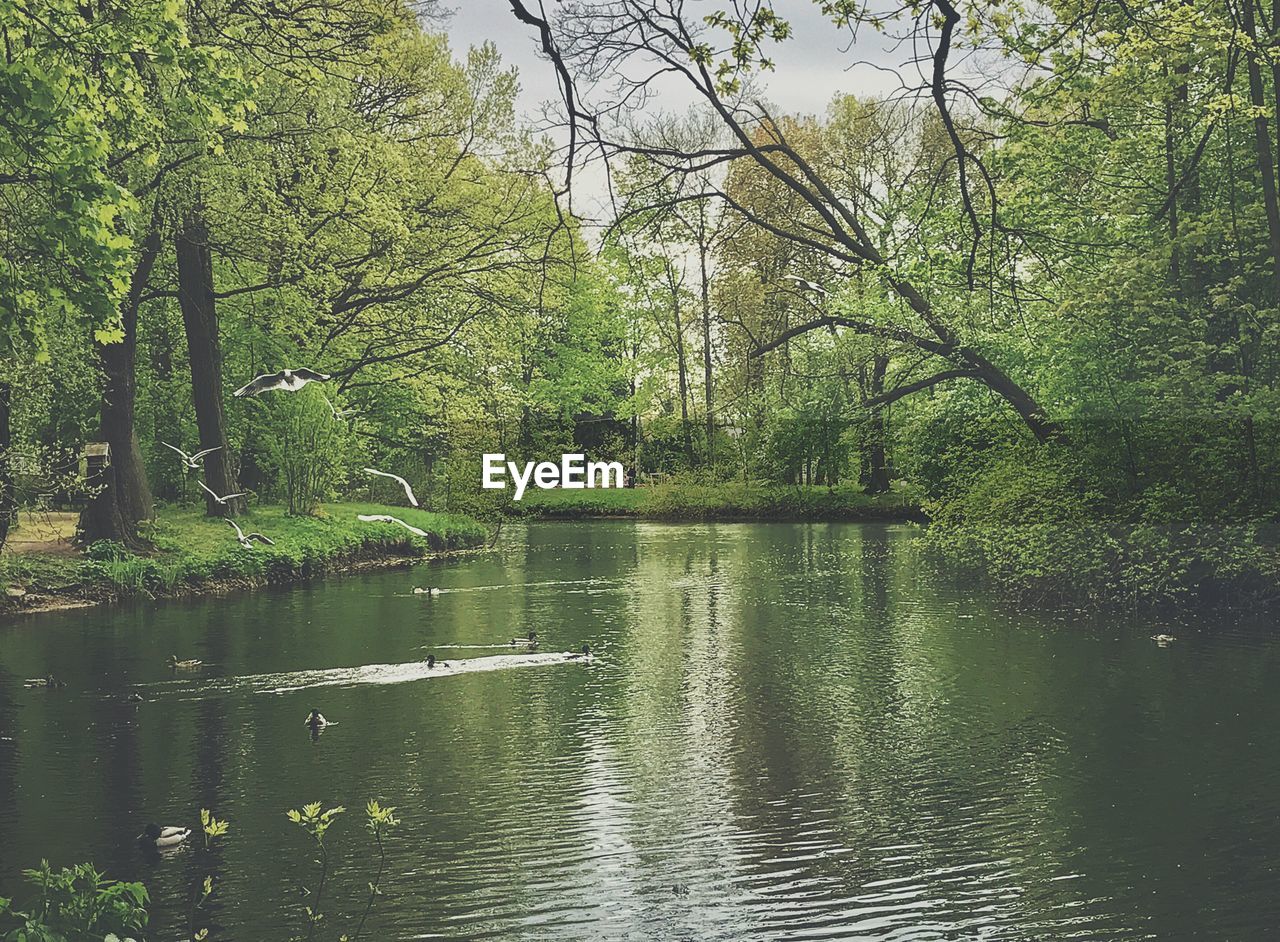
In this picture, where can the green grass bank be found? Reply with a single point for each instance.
(729, 501)
(194, 553)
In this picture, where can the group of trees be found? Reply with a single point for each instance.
(1052, 260)
(193, 194)
(1041, 281)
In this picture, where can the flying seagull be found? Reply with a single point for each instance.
(337, 413)
(408, 491)
(288, 380)
(807, 284)
(221, 500)
(387, 518)
(192, 462)
(247, 539)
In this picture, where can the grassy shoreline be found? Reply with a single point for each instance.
(674, 502)
(195, 554)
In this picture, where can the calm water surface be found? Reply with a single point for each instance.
(790, 732)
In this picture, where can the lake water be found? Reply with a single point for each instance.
(788, 732)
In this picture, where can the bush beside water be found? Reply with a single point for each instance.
(1031, 526)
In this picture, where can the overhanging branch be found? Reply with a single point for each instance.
(899, 392)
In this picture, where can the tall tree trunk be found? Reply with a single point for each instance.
(123, 499)
(200, 317)
(682, 365)
(1262, 147)
(524, 438)
(707, 379)
(1171, 182)
(167, 424)
(876, 478)
(8, 499)
(1275, 64)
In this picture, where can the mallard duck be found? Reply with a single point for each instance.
(316, 720)
(1163, 640)
(584, 653)
(531, 641)
(153, 835)
(48, 681)
(135, 697)
(431, 661)
(419, 590)
(177, 665)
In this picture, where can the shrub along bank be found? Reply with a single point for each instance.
(725, 501)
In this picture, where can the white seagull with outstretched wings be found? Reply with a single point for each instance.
(408, 491)
(807, 284)
(338, 414)
(288, 380)
(191, 461)
(387, 518)
(248, 539)
(221, 500)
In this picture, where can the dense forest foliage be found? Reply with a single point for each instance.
(1038, 288)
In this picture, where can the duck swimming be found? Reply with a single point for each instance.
(177, 665)
(153, 835)
(585, 653)
(531, 641)
(419, 590)
(1163, 640)
(48, 681)
(316, 720)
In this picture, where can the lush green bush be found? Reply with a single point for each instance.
(106, 551)
(811, 442)
(1031, 525)
(75, 904)
(305, 446)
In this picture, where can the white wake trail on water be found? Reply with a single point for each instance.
(363, 675)
(473, 647)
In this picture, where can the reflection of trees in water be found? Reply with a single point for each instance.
(211, 746)
(119, 792)
(11, 752)
(852, 761)
(780, 717)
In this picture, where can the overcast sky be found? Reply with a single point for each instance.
(811, 65)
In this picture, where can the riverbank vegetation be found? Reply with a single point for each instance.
(195, 553)
(719, 501)
(1046, 302)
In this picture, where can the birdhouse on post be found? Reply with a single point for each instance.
(97, 458)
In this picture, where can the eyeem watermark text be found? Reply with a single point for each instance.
(573, 472)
